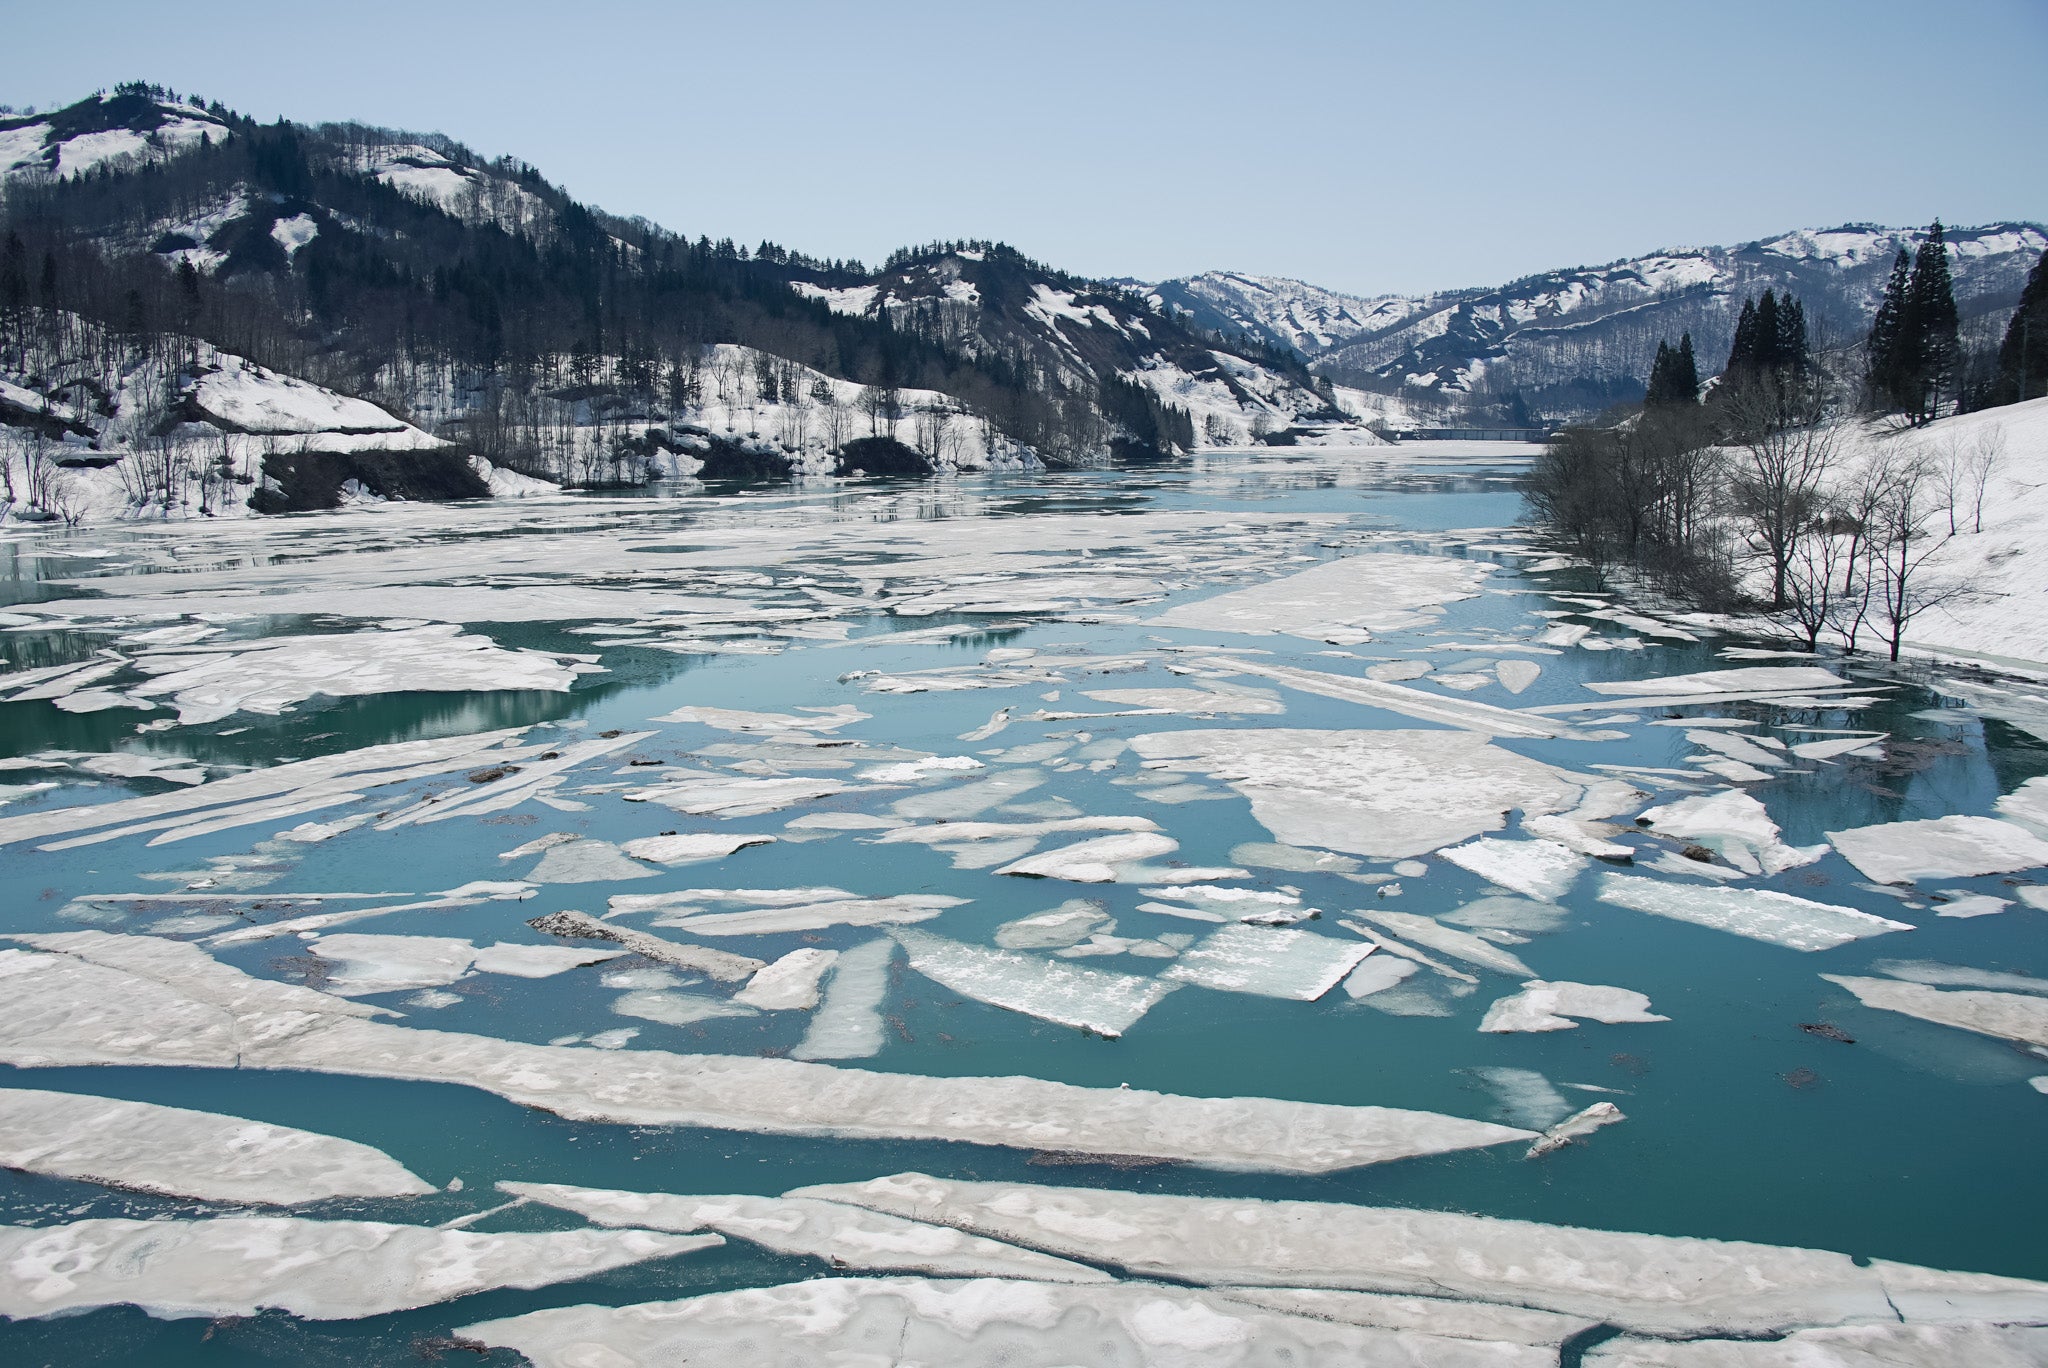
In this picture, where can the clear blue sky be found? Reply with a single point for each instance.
(1364, 146)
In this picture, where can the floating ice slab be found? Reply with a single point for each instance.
(2010, 1016)
(1542, 1006)
(1517, 675)
(1575, 1128)
(1422, 704)
(1464, 1320)
(848, 1022)
(983, 1323)
(1526, 1098)
(719, 964)
(1941, 848)
(180, 1153)
(847, 1236)
(586, 862)
(1101, 860)
(1758, 913)
(2027, 805)
(364, 964)
(1650, 1284)
(1542, 869)
(790, 984)
(1052, 990)
(1960, 976)
(1388, 794)
(739, 720)
(1196, 702)
(677, 1009)
(1344, 601)
(1853, 1346)
(1734, 826)
(1450, 941)
(900, 910)
(1749, 679)
(208, 683)
(690, 847)
(1268, 961)
(1507, 914)
(724, 796)
(65, 1005)
(1068, 924)
(1376, 974)
(1574, 834)
(321, 1270)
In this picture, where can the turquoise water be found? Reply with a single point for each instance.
(1915, 1143)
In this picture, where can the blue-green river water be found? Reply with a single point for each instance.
(1916, 1142)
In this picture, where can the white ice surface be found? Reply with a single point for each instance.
(1652, 1284)
(1344, 601)
(1542, 1006)
(848, 1022)
(320, 1270)
(1388, 794)
(364, 964)
(1542, 869)
(1953, 847)
(789, 984)
(2010, 1016)
(1096, 1000)
(1268, 961)
(182, 1153)
(1758, 913)
(1735, 826)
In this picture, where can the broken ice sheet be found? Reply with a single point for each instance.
(848, 1022)
(1389, 794)
(1096, 1000)
(366, 964)
(1735, 826)
(1449, 940)
(690, 847)
(1278, 962)
(320, 1270)
(1542, 1006)
(1953, 847)
(2021, 1017)
(848, 1236)
(1524, 1097)
(195, 1154)
(1343, 601)
(585, 861)
(1542, 869)
(1070, 923)
(1758, 913)
(1104, 859)
(789, 984)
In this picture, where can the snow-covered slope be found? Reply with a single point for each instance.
(122, 131)
(1572, 341)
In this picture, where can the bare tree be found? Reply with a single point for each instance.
(1985, 460)
(1776, 481)
(1902, 542)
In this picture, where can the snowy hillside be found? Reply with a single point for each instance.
(1570, 342)
(120, 132)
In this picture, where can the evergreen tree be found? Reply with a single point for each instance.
(1792, 360)
(1742, 353)
(1764, 357)
(1687, 371)
(1931, 308)
(1660, 377)
(2023, 356)
(1881, 372)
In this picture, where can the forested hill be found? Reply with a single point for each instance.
(481, 302)
(1565, 344)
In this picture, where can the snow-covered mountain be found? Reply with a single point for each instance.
(487, 306)
(1569, 342)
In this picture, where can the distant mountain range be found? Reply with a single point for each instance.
(1569, 342)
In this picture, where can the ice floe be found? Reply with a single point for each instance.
(320, 1270)
(849, 1237)
(1070, 923)
(1647, 1284)
(1952, 847)
(1096, 1000)
(719, 964)
(1376, 974)
(196, 1154)
(1449, 940)
(978, 1323)
(848, 1021)
(1851, 1346)
(2027, 805)
(1389, 794)
(2010, 1016)
(93, 998)
(1575, 1128)
(690, 847)
(1105, 859)
(1542, 869)
(365, 964)
(1734, 826)
(1550, 1006)
(1268, 961)
(790, 984)
(586, 861)
(1463, 713)
(1758, 913)
(781, 911)
(1344, 601)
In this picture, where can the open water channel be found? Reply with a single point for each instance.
(1020, 654)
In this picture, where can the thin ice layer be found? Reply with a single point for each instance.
(1344, 601)
(364, 964)
(849, 1237)
(1650, 1284)
(1052, 990)
(59, 1006)
(848, 1022)
(1542, 1006)
(1735, 826)
(1388, 794)
(2010, 1016)
(321, 1270)
(1269, 961)
(181, 1153)
(1758, 913)
(1953, 847)
(1542, 869)
(982, 1323)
